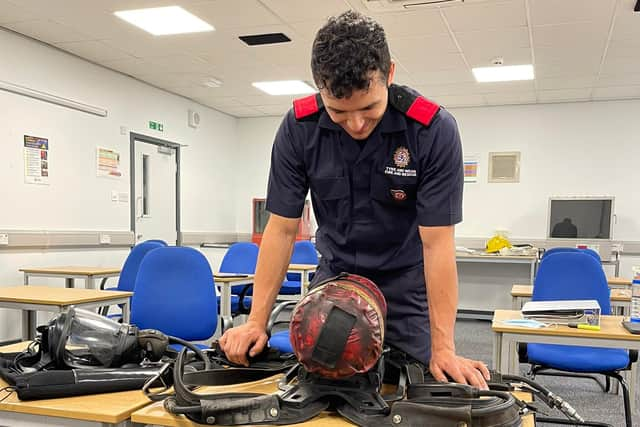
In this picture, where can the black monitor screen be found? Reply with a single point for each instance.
(582, 219)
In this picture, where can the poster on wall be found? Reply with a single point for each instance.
(36, 160)
(108, 162)
(471, 168)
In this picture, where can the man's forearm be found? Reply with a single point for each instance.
(442, 289)
(273, 261)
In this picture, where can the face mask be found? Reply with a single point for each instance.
(525, 323)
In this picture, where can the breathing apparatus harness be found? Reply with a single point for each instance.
(311, 385)
(80, 352)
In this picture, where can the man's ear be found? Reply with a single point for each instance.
(392, 72)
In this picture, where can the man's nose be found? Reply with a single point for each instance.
(356, 123)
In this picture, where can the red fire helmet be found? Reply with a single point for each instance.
(337, 329)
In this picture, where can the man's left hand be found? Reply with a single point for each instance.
(459, 369)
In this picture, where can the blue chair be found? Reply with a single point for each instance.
(240, 258)
(572, 275)
(559, 249)
(127, 279)
(175, 293)
(304, 252)
(279, 340)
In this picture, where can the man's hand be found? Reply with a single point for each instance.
(460, 369)
(250, 338)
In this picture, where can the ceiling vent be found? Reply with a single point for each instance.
(379, 6)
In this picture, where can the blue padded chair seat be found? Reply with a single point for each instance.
(280, 340)
(235, 303)
(235, 290)
(290, 287)
(578, 359)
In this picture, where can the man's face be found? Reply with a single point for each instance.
(360, 113)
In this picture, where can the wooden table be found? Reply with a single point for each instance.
(155, 414)
(30, 299)
(225, 281)
(618, 282)
(620, 298)
(611, 335)
(100, 410)
(305, 271)
(69, 274)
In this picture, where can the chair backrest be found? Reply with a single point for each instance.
(127, 279)
(175, 294)
(304, 252)
(572, 276)
(241, 257)
(556, 250)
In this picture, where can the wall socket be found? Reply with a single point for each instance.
(4, 238)
(105, 239)
(114, 196)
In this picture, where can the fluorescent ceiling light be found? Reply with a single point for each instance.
(284, 87)
(503, 73)
(161, 21)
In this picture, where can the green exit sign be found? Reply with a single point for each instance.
(156, 126)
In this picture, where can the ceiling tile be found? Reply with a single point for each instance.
(623, 79)
(567, 82)
(486, 15)
(234, 14)
(48, 31)
(483, 56)
(253, 101)
(621, 65)
(563, 95)
(505, 87)
(307, 30)
(418, 22)
(545, 12)
(414, 47)
(12, 12)
(624, 48)
(417, 62)
(304, 9)
(582, 35)
(510, 98)
(619, 92)
(627, 23)
(432, 91)
(243, 112)
(94, 51)
(442, 77)
(505, 38)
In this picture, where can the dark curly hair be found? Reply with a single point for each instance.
(345, 52)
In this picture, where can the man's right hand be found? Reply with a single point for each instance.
(247, 339)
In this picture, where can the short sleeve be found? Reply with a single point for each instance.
(288, 183)
(439, 198)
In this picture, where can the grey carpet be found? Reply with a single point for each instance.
(474, 340)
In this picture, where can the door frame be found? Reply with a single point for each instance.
(133, 137)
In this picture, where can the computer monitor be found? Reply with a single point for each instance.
(584, 217)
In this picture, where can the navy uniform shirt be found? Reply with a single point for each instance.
(370, 199)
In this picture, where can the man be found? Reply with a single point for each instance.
(385, 172)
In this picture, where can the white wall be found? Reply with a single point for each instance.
(76, 199)
(573, 148)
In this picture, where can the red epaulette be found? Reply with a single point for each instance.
(413, 105)
(307, 106)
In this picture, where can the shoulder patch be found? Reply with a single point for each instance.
(307, 106)
(413, 105)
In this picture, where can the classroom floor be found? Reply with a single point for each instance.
(474, 340)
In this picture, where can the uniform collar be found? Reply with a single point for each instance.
(392, 121)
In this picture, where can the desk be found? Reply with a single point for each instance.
(155, 414)
(620, 298)
(100, 410)
(484, 281)
(618, 282)
(611, 335)
(305, 270)
(69, 274)
(30, 299)
(225, 282)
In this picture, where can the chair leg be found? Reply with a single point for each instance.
(607, 384)
(625, 396)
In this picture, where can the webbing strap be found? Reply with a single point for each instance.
(333, 337)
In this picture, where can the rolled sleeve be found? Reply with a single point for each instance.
(288, 183)
(441, 181)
